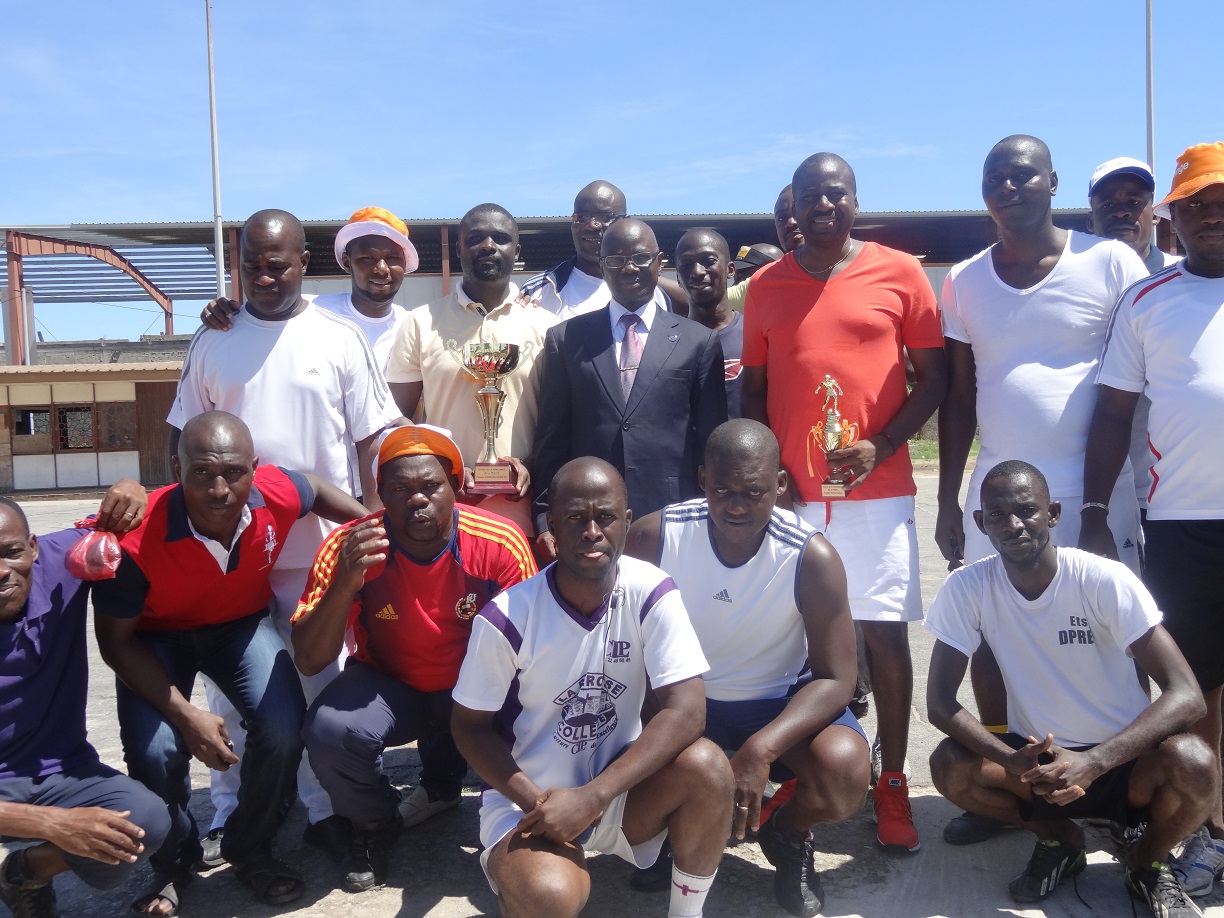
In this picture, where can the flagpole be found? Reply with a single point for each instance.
(218, 236)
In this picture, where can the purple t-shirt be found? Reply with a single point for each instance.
(44, 671)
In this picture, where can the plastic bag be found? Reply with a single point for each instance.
(95, 556)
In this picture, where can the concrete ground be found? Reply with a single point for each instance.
(435, 871)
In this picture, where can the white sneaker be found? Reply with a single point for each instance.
(417, 807)
(1200, 863)
(877, 763)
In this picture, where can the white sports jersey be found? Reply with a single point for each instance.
(1065, 656)
(568, 688)
(1036, 353)
(1166, 340)
(379, 333)
(307, 387)
(747, 618)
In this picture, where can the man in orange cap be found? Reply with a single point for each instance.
(1166, 340)
(407, 580)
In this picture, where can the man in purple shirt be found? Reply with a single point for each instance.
(88, 818)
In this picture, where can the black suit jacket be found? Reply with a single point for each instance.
(655, 439)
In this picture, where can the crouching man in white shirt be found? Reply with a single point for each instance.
(548, 712)
(1070, 627)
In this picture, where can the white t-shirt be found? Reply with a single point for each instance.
(747, 617)
(568, 689)
(1166, 340)
(1065, 656)
(581, 293)
(379, 333)
(307, 387)
(1036, 352)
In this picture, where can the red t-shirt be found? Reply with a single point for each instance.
(411, 620)
(167, 576)
(852, 328)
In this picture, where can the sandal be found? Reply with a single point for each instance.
(266, 875)
(163, 887)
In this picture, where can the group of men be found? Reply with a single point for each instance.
(720, 497)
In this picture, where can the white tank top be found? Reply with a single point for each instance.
(747, 617)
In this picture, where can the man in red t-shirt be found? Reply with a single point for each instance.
(191, 596)
(407, 580)
(837, 310)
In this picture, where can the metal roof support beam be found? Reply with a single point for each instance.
(16, 315)
(28, 244)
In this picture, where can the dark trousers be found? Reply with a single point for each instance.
(250, 665)
(96, 785)
(359, 714)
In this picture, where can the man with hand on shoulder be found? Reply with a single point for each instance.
(191, 596)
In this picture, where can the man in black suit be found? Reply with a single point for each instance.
(630, 383)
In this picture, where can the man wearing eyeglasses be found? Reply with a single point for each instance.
(630, 383)
(576, 286)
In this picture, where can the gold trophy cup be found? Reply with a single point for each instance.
(829, 433)
(489, 363)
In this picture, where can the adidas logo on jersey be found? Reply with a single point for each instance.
(386, 613)
(723, 596)
(312, 372)
(1128, 544)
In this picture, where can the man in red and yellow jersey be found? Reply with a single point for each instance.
(407, 580)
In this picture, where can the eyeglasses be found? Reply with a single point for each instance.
(639, 260)
(598, 221)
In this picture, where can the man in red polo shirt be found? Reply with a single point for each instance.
(408, 580)
(191, 596)
(826, 328)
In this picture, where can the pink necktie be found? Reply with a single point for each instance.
(631, 352)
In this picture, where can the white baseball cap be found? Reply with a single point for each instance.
(1122, 165)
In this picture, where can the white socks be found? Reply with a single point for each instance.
(688, 893)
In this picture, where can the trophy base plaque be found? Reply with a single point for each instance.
(493, 478)
(832, 489)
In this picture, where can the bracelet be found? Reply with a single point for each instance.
(1092, 503)
(891, 445)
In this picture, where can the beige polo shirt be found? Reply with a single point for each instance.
(428, 350)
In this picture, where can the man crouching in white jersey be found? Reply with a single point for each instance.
(548, 712)
(767, 597)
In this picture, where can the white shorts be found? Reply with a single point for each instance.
(498, 817)
(878, 544)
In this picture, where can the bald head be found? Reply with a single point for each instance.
(1034, 149)
(632, 285)
(215, 432)
(482, 213)
(274, 224)
(741, 440)
(585, 476)
(627, 232)
(821, 164)
(703, 237)
(600, 196)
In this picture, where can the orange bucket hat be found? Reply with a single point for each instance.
(376, 221)
(1201, 165)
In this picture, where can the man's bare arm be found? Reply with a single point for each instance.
(754, 392)
(407, 396)
(645, 537)
(1107, 449)
(486, 751)
(957, 424)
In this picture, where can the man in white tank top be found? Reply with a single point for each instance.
(767, 598)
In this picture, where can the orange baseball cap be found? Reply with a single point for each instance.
(418, 440)
(376, 221)
(1201, 165)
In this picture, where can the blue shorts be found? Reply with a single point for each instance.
(731, 723)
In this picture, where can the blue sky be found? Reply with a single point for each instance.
(429, 108)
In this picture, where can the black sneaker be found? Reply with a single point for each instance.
(1156, 885)
(365, 865)
(796, 883)
(970, 829)
(25, 897)
(331, 836)
(1050, 862)
(658, 876)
